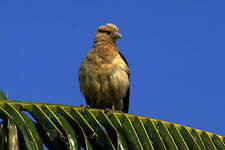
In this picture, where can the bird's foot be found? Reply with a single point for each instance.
(111, 111)
(107, 110)
(83, 107)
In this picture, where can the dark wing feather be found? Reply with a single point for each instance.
(124, 59)
(126, 101)
(127, 96)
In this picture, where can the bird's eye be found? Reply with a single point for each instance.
(107, 32)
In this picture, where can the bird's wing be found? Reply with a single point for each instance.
(124, 59)
(127, 95)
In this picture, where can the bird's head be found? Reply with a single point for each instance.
(108, 32)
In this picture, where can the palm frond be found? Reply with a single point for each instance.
(71, 127)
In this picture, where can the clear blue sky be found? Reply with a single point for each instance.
(175, 49)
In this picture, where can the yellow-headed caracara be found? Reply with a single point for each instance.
(104, 73)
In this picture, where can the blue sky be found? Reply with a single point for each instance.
(175, 50)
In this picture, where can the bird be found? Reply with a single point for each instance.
(104, 74)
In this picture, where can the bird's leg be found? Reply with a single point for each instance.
(113, 107)
(108, 110)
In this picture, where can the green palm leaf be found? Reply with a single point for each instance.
(71, 127)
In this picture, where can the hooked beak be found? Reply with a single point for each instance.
(117, 35)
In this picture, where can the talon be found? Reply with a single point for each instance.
(110, 111)
(83, 107)
(107, 110)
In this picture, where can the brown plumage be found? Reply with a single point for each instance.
(104, 73)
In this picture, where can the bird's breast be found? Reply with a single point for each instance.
(94, 77)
